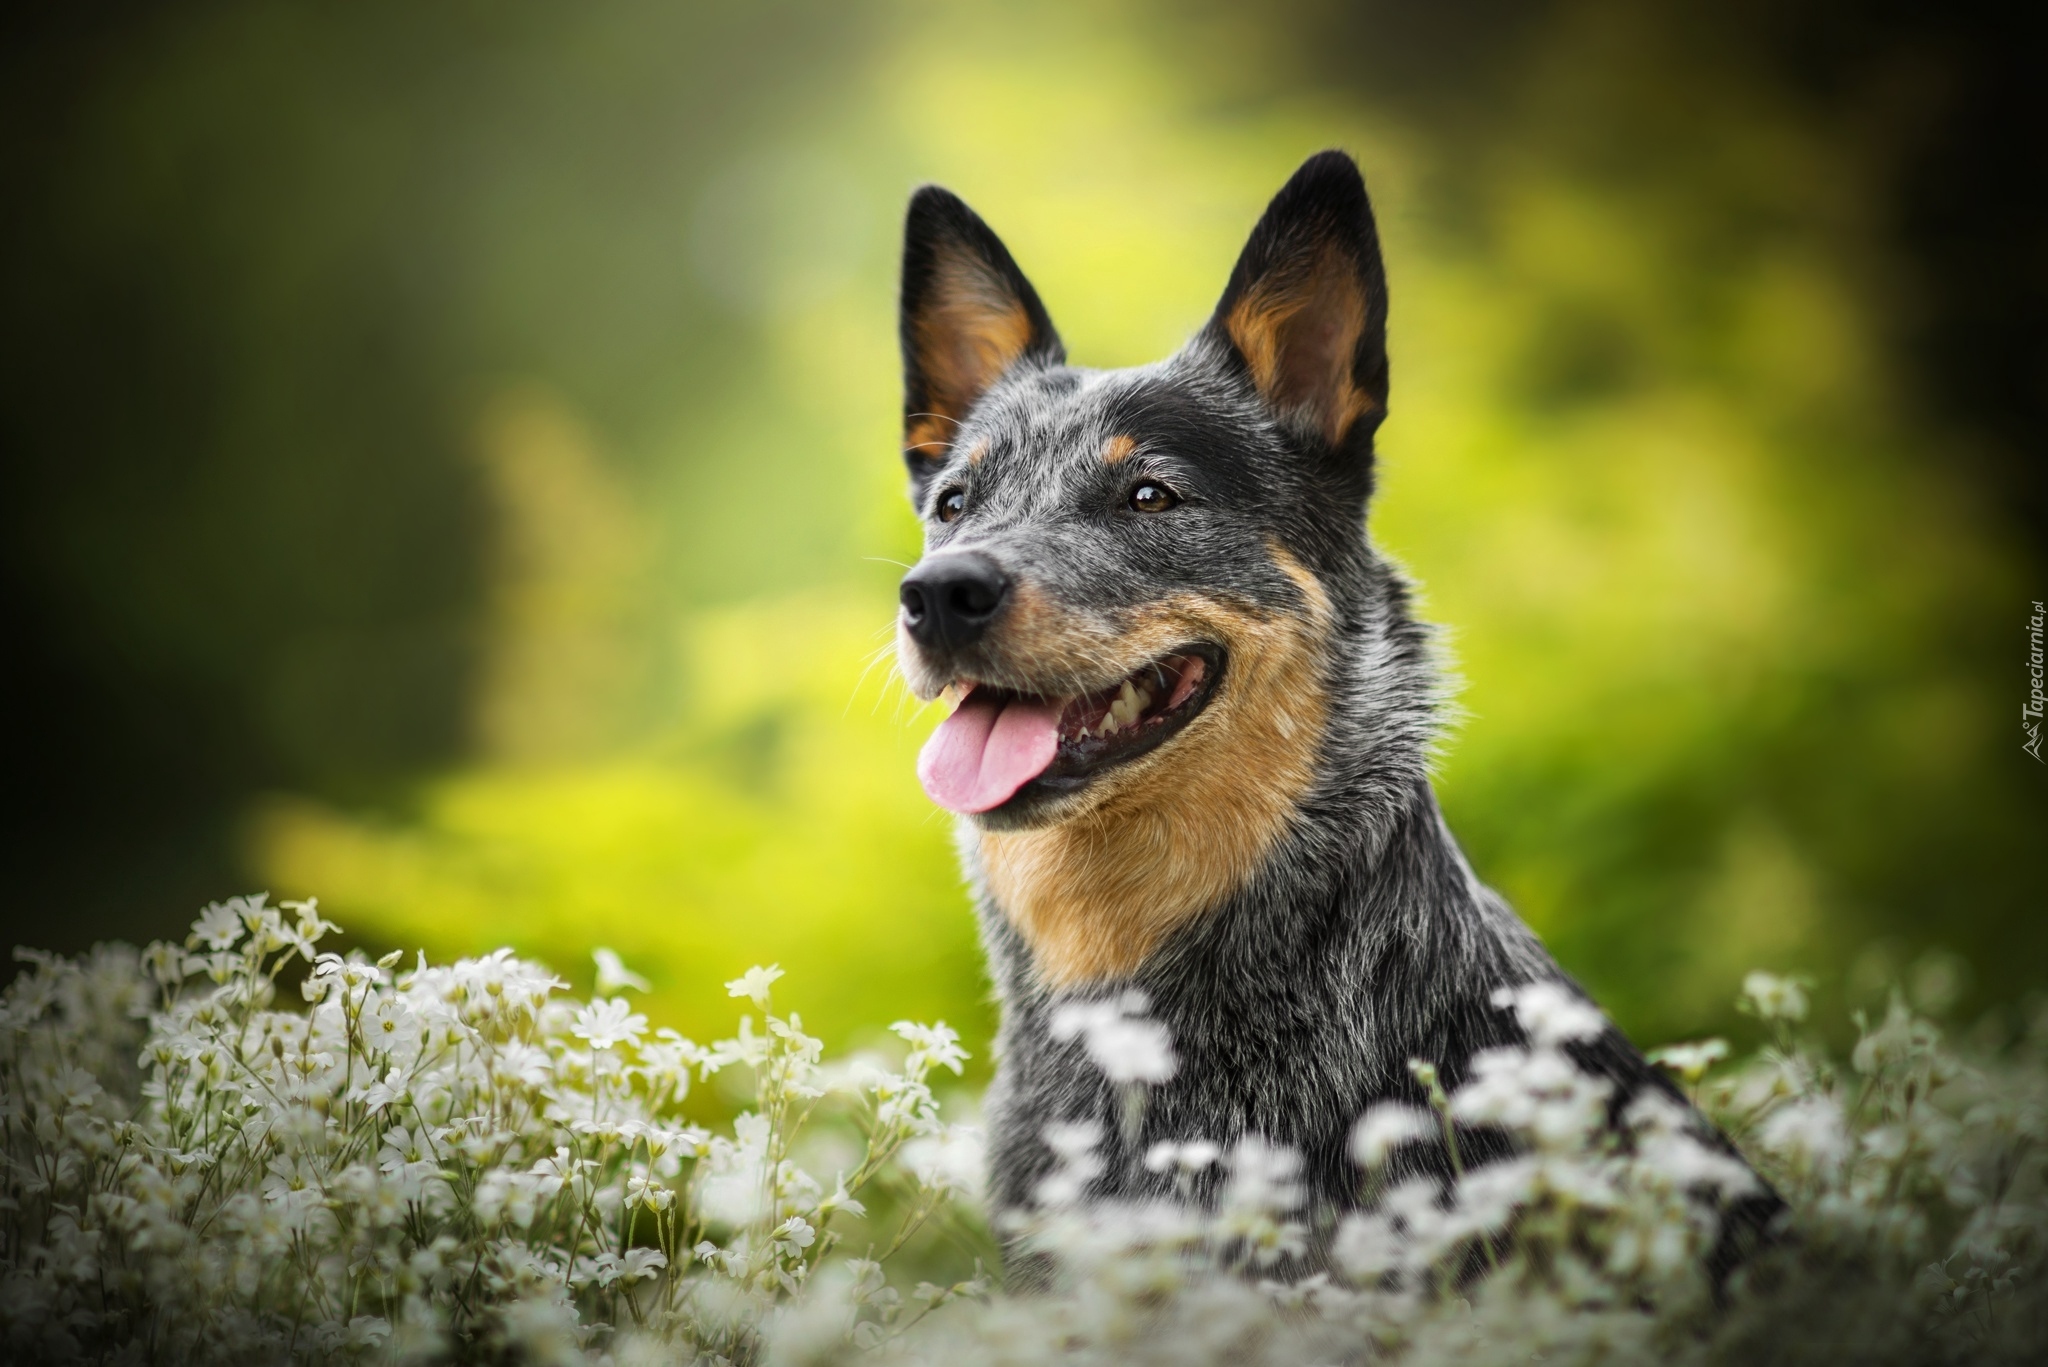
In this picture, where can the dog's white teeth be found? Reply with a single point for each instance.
(1124, 711)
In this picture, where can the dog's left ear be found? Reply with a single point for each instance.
(1305, 312)
(968, 315)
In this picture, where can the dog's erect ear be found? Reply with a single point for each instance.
(968, 315)
(1306, 308)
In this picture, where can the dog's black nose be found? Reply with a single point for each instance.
(949, 600)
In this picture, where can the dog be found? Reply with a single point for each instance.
(1193, 710)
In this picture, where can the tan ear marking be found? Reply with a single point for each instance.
(1118, 448)
(967, 338)
(1298, 333)
(925, 436)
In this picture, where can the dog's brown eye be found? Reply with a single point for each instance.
(1152, 498)
(952, 503)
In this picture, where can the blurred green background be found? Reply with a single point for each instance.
(451, 459)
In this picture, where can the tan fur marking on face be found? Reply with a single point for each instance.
(1177, 831)
(977, 453)
(1298, 334)
(1118, 448)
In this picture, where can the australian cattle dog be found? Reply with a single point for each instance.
(1192, 711)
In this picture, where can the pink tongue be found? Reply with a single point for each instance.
(982, 754)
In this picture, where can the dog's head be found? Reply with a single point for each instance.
(1124, 586)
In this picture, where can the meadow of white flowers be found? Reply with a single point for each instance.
(461, 1163)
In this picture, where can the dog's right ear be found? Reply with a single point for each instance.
(968, 315)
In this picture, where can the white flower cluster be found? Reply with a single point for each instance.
(461, 1164)
(1917, 1229)
(446, 1162)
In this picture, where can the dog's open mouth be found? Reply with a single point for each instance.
(1001, 747)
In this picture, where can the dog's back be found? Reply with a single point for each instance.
(1192, 707)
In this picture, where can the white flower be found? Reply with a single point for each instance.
(1073, 1139)
(1073, 1143)
(165, 963)
(605, 1269)
(1689, 1165)
(361, 1332)
(1367, 1246)
(609, 1023)
(613, 975)
(643, 1190)
(1551, 1013)
(640, 1263)
(1416, 1205)
(666, 1060)
(76, 1089)
(1690, 1061)
(508, 1195)
(1489, 1196)
(795, 1234)
(1263, 1190)
(937, 1044)
(526, 1064)
(1770, 997)
(1384, 1128)
(402, 1146)
(219, 926)
(1901, 1038)
(375, 1096)
(390, 1025)
(308, 928)
(754, 984)
(1263, 1176)
(1194, 1155)
(1808, 1132)
(293, 1181)
(1539, 1094)
(1127, 1047)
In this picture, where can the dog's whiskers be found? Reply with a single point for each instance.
(875, 657)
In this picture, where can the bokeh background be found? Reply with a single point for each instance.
(450, 459)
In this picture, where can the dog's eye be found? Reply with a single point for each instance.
(1152, 498)
(952, 503)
